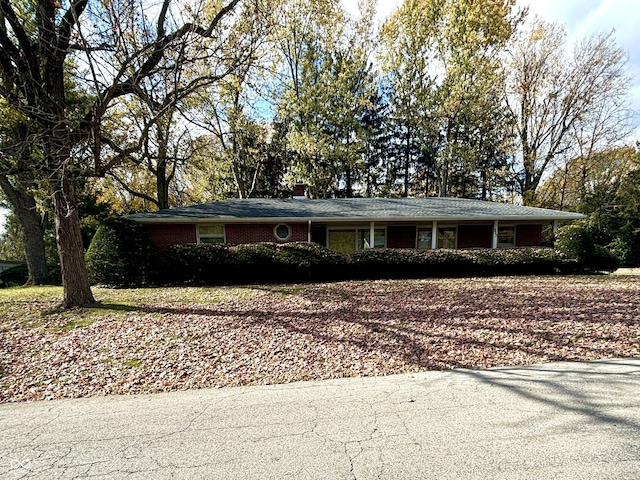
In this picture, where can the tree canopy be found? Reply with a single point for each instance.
(147, 106)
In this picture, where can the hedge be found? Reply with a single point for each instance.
(206, 264)
(456, 263)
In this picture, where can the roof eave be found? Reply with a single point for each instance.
(439, 218)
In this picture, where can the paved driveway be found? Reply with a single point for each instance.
(563, 420)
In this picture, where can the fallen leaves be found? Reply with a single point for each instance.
(263, 335)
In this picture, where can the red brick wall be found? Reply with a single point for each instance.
(256, 233)
(528, 235)
(401, 237)
(164, 236)
(475, 236)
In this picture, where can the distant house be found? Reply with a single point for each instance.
(351, 224)
(7, 264)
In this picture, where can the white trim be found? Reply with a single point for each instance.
(423, 227)
(289, 232)
(199, 237)
(350, 220)
(434, 235)
(372, 235)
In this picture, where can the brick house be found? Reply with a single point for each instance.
(351, 224)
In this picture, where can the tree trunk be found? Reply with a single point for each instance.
(24, 207)
(77, 291)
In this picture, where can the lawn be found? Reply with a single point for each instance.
(156, 340)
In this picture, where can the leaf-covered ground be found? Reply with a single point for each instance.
(155, 340)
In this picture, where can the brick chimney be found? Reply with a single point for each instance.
(299, 191)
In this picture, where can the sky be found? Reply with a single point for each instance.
(580, 17)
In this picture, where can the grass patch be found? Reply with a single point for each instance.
(135, 363)
(33, 307)
(77, 323)
(154, 296)
(113, 308)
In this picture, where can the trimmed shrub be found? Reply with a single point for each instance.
(455, 263)
(121, 254)
(520, 261)
(391, 263)
(303, 262)
(14, 276)
(206, 264)
(257, 263)
(202, 264)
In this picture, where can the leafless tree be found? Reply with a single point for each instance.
(563, 103)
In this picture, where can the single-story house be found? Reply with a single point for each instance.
(351, 224)
(7, 264)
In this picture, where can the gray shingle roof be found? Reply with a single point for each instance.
(351, 209)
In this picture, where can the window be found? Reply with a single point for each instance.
(282, 232)
(343, 241)
(364, 238)
(506, 236)
(425, 238)
(447, 237)
(350, 240)
(211, 234)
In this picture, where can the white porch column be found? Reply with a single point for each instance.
(309, 232)
(372, 234)
(555, 227)
(434, 235)
(494, 241)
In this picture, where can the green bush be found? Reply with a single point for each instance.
(121, 254)
(576, 243)
(603, 260)
(202, 264)
(206, 264)
(14, 276)
(626, 247)
(379, 263)
(302, 262)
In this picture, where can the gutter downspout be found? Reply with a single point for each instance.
(372, 234)
(434, 235)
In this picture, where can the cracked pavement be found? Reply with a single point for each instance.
(562, 420)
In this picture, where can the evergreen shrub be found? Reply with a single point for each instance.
(120, 254)
(576, 243)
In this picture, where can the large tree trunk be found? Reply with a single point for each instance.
(24, 206)
(77, 290)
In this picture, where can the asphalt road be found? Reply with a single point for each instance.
(557, 421)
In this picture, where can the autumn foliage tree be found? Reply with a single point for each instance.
(39, 42)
